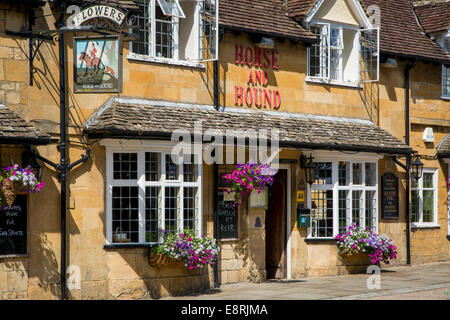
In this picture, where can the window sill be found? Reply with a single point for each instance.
(335, 83)
(320, 240)
(181, 63)
(127, 246)
(424, 226)
(445, 97)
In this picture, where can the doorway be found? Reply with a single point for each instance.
(276, 227)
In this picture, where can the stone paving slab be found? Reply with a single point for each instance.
(404, 282)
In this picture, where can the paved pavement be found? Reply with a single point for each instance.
(422, 282)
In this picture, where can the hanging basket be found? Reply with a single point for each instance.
(157, 260)
(9, 190)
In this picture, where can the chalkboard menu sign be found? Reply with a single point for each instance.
(13, 227)
(227, 219)
(389, 196)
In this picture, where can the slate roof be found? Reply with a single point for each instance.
(443, 147)
(434, 16)
(143, 119)
(300, 8)
(262, 16)
(15, 130)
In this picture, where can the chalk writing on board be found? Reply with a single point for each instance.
(227, 216)
(13, 227)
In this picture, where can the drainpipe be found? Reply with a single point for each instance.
(408, 68)
(216, 170)
(63, 161)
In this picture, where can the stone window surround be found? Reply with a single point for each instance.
(447, 161)
(434, 224)
(140, 147)
(335, 157)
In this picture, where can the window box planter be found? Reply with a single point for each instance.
(159, 260)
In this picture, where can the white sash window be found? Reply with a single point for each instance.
(148, 190)
(344, 193)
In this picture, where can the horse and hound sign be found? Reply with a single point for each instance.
(97, 66)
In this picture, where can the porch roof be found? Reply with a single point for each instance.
(15, 130)
(443, 147)
(127, 118)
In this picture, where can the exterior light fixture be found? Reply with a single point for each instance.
(28, 159)
(390, 63)
(417, 168)
(266, 43)
(310, 168)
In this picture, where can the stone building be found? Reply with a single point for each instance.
(341, 81)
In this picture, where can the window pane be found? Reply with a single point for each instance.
(190, 209)
(344, 207)
(190, 169)
(371, 179)
(357, 207)
(164, 45)
(357, 173)
(428, 180)
(322, 213)
(446, 72)
(171, 208)
(142, 28)
(344, 173)
(335, 38)
(125, 166)
(172, 169)
(324, 174)
(171, 8)
(318, 53)
(335, 64)
(125, 214)
(152, 166)
(415, 198)
(428, 205)
(152, 214)
(371, 211)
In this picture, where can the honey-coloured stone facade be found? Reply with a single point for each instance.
(111, 273)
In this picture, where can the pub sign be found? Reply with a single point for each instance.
(389, 196)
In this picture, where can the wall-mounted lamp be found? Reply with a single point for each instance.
(417, 168)
(266, 43)
(390, 63)
(310, 168)
(28, 159)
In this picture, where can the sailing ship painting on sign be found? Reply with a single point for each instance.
(97, 65)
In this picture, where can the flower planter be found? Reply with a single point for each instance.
(9, 189)
(357, 259)
(158, 260)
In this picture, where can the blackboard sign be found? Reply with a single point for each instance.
(389, 196)
(227, 219)
(13, 227)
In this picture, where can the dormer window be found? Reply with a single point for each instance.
(177, 30)
(347, 52)
(343, 54)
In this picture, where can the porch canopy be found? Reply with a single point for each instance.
(15, 130)
(443, 148)
(125, 118)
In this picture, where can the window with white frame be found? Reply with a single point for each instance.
(177, 29)
(343, 54)
(424, 198)
(446, 71)
(344, 193)
(150, 191)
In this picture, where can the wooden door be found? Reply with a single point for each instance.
(276, 228)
